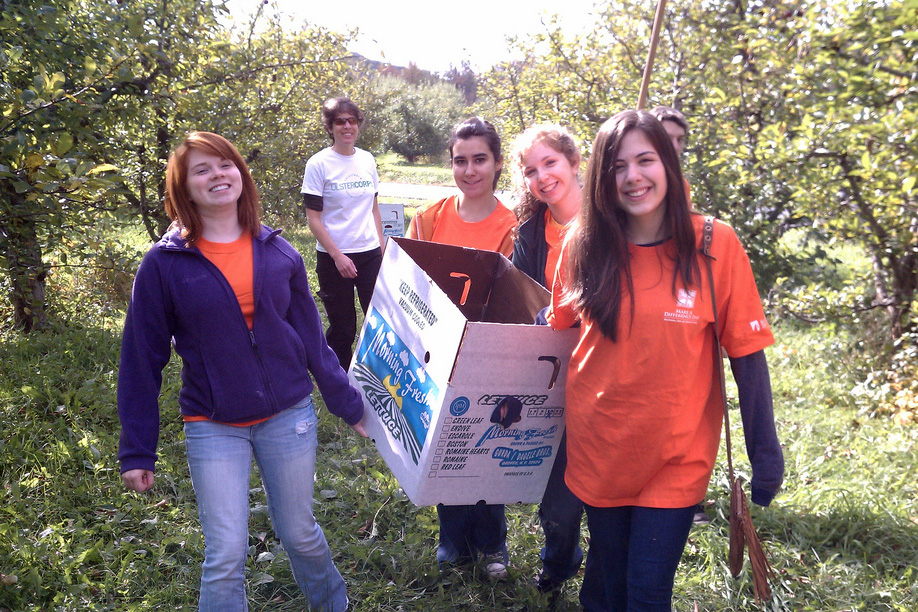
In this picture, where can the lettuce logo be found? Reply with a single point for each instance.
(459, 406)
(498, 432)
(395, 383)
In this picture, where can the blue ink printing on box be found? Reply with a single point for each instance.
(395, 383)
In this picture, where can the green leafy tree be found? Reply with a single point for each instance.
(96, 96)
(855, 142)
(801, 114)
(417, 118)
(70, 75)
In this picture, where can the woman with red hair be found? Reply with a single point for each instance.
(231, 296)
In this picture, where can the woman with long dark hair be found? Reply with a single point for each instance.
(474, 218)
(643, 409)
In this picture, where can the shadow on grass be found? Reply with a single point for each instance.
(853, 556)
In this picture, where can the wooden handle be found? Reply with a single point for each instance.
(648, 66)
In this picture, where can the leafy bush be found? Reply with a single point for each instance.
(91, 275)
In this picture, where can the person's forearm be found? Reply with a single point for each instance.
(756, 407)
(377, 219)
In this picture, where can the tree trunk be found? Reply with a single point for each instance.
(26, 271)
(895, 273)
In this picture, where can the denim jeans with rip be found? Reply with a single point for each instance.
(220, 461)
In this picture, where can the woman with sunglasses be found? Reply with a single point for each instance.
(339, 193)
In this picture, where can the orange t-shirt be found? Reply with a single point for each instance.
(554, 237)
(489, 234)
(644, 413)
(234, 260)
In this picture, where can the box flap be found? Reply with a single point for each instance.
(464, 275)
(514, 298)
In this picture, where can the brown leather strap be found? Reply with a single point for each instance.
(707, 238)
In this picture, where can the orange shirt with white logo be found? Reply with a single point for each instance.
(644, 413)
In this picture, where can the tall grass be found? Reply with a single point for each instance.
(842, 535)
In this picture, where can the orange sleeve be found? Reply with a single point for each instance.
(424, 222)
(743, 326)
(506, 245)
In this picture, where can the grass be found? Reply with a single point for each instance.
(841, 536)
(395, 169)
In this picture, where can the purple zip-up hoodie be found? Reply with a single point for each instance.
(230, 374)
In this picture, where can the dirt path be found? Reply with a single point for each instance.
(426, 193)
(407, 191)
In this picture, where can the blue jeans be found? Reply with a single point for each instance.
(466, 531)
(559, 514)
(220, 460)
(633, 556)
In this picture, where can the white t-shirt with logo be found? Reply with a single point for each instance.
(347, 185)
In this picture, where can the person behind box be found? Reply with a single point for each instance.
(477, 219)
(232, 297)
(547, 159)
(677, 129)
(643, 402)
(339, 189)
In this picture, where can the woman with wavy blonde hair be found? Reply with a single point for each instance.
(547, 163)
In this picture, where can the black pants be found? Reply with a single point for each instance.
(337, 294)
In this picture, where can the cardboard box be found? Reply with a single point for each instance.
(393, 219)
(449, 334)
